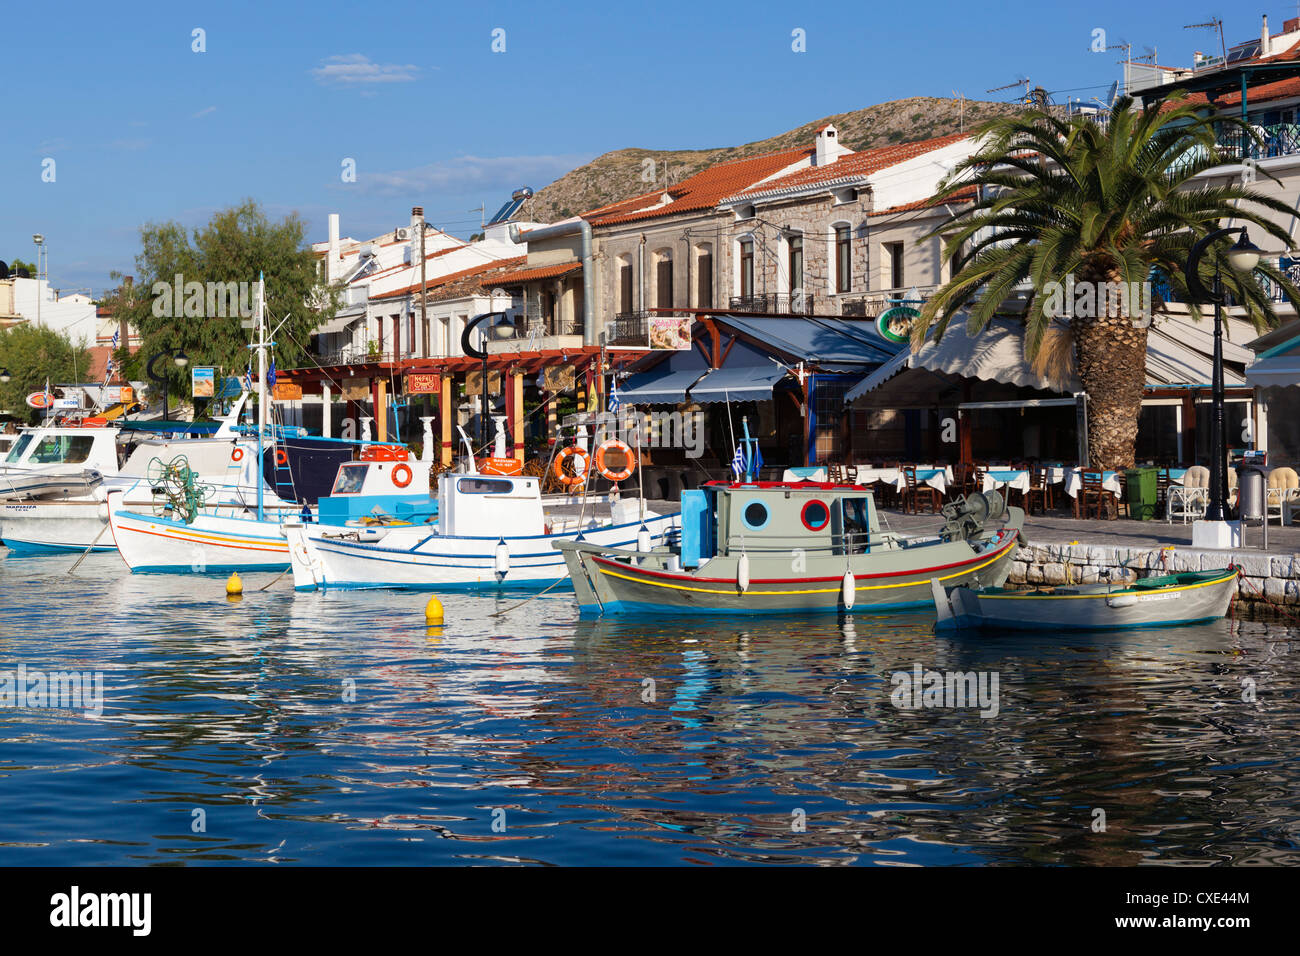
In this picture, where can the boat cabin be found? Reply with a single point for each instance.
(90, 448)
(487, 505)
(810, 517)
(383, 480)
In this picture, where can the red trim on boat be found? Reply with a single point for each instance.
(756, 581)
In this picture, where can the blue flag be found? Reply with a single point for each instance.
(755, 460)
(270, 374)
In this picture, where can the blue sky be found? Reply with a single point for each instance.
(142, 129)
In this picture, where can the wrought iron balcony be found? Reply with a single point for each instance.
(774, 303)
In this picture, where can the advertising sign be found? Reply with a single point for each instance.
(422, 383)
(203, 381)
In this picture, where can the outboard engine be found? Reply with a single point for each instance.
(965, 519)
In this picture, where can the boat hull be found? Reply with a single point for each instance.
(213, 544)
(55, 527)
(447, 562)
(1191, 599)
(883, 580)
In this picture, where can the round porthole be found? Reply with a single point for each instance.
(755, 516)
(815, 515)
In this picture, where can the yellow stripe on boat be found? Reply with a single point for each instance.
(1137, 592)
(834, 590)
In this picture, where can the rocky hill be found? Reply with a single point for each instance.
(618, 175)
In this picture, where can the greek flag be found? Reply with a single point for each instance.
(738, 461)
(248, 378)
(614, 401)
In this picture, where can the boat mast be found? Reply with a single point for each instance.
(261, 386)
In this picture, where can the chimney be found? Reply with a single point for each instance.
(1263, 37)
(828, 146)
(332, 257)
(1291, 26)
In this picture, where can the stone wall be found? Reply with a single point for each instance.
(1267, 577)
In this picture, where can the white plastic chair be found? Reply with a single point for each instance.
(1190, 499)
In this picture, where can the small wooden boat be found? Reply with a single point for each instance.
(1166, 600)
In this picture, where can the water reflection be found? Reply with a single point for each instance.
(337, 728)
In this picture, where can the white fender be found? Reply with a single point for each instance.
(849, 590)
(742, 572)
(643, 539)
(1121, 600)
(502, 562)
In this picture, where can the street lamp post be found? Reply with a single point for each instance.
(179, 359)
(39, 240)
(1243, 257)
(470, 349)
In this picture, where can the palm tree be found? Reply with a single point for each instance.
(1096, 203)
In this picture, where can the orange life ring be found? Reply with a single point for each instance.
(281, 458)
(402, 476)
(580, 466)
(237, 454)
(629, 457)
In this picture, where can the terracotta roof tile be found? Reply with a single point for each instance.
(852, 165)
(541, 272)
(704, 190)
(439, 281)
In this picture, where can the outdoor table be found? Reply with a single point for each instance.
(1074, 481)
(1176, 475)
(1010, 478)
(805, 473)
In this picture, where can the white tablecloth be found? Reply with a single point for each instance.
(1008, 478)
(938, 478)
(1074, 481)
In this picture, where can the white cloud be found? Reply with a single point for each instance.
(359, 68)
(465, 172)
(204, 112)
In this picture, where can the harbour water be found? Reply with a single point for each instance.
(336, 729)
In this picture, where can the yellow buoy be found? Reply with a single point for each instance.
(234, 585)
(433, 611)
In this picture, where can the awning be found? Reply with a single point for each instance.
(1279, 370)
(339, 323)
(659, 387)
(744, 383)
(1178, 354)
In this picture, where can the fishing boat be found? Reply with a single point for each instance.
(494, 531)
(1166, 600)
(753, 547)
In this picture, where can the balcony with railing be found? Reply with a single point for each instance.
(871, 304)
(534, 333)
(772, 303)
(1277, 139)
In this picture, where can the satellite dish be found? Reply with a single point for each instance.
(1112, 94)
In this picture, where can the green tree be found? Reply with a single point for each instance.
(33, 354)
(1104, 204)
(16, 264)
(234, 246)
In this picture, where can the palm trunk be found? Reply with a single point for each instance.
(1111, 354)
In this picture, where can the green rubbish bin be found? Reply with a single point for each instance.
(1143, 488)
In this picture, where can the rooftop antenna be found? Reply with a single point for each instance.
(1022, 81)
(961, 109)
(1214, 23)
(482, 214)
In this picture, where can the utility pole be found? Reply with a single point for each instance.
(423, 283)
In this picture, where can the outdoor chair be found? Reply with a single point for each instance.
(835, 473)
(1095, 497)
(1162, 489)
(851, 474)
(916, 492)
(1190, 499)
(1283, 487)
(1040, 491)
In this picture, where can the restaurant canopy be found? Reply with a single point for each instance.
(1179, 354)
(1279, 365)
(742, 383)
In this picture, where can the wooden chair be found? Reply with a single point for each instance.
(963, 479)
(915, 493)
(851, 474)
(835, 473)
(1039, 490)
(1094, 497)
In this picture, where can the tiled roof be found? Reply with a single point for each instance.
(965, 194)
(438, 282)
(541, 272)
(850, 166)
(704, 190)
